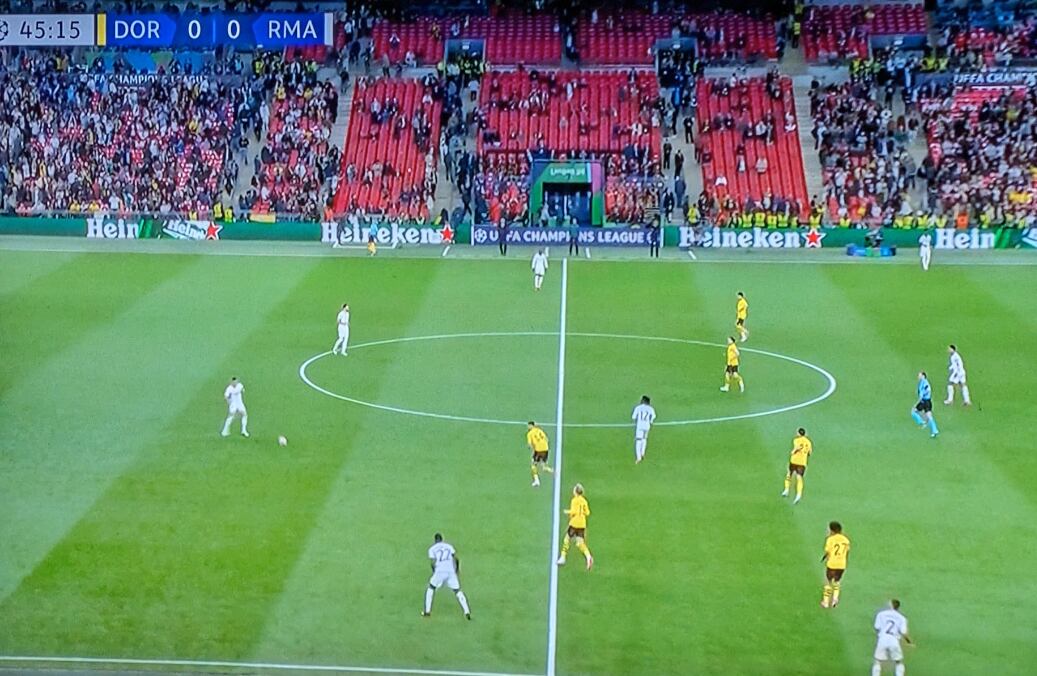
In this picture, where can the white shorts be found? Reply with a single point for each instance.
(235, 409)
(449, 577)
(889, 652)
(956, 379)
(641, 433)
(539, 273)
(925, 253)
(343, 333)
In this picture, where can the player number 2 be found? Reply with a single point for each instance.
(890, 624)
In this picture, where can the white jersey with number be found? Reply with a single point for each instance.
(444, 569)
(956, 369)
(235, 402)
(343, 323)
(539, 264)
(890, 627)
(643, 417)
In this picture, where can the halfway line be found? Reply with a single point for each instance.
(552, 597)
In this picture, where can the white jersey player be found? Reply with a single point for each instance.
(956, 376)
(539, 266)
(890, 627)
(445, 566)
(643, 417)
(235, 406)
(925, 249)
(342, 323)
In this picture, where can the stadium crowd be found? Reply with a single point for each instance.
(982, 153)
(297, 169)
(79, 141)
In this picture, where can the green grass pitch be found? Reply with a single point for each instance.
(130, 529)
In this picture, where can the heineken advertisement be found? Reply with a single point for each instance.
(390, 234)
(112, 227)
(816, 238)
(529, 236)
(403, 234)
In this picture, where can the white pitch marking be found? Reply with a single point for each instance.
(1022, 261)
(495, 421)
(271, 666)
(552, 594)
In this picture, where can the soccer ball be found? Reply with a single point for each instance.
(282, 440)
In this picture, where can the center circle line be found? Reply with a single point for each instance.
(577, 334)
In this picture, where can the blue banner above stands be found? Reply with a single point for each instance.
(205, 31)
(530, 236)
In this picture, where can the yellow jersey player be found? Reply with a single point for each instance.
(731, 372)
(578, 512)
(537, 441)
(741, 314)
(837, 550)
(802, 447)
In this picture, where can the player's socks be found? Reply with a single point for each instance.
(788, 482)
(966, 399)
(565, 550)
(836, 588)
(463, 600)
(741, 384)
(244, 425)
(950, 395)
(226, 426)
(536, 476)
(826, 596)
(932, 426)
(799, 488)
(547, 468)
(876, 668)
(582, 546)
(899, 669)
(917, 417)
(428, 600)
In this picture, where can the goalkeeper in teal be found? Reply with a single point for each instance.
(923, 411)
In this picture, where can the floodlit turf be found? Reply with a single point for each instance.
(129, 528)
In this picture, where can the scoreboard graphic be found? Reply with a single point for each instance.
(271, 30)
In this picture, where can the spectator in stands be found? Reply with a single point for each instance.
(74, 141)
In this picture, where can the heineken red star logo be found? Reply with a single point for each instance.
(814, 237)
(213, 231)
(447, 233)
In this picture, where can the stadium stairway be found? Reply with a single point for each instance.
(345, 105)
(811, 161)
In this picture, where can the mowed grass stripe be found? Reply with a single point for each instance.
(356, 592)
(691, 548)
(18, 269)
(59, 308)
(86, 411)
(997, 343)
(124, 498)
(775, 543)
(922, 508)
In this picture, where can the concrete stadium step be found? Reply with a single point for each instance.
(805, 123)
